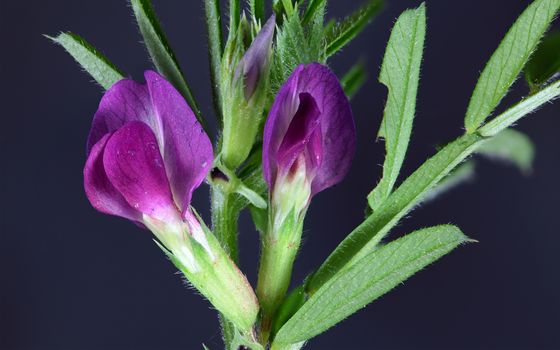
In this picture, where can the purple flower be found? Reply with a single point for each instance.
(309, 135)
(146, 152)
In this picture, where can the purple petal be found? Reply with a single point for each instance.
(338, 135)
(255, 60)
(135, 168)
(303, 136)
(102, 195)
(186, 149)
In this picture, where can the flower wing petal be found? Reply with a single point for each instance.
(134, 166)
(100, 191)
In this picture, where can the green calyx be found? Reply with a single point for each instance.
(195, 251)
(243, 112)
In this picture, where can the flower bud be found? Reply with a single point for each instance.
(309, 138)
(245, 82)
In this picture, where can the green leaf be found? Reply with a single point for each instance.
(512, 146)
(95, 63)
(295, 45)
(293, 302)
(354, 79)
(215, 51)
(508, 60)
(345, 31)
(257, 9)
(463, 173)
(288, 7)
(160, 51)
(368, 234)
(400, 72)
(544, 63)
(234, 15)
(367, 279)
(259, 217)
(312, 8)
(523, 108)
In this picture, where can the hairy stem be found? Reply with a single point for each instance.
(279, 249)
(224, 226)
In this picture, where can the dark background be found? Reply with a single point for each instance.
(71, 278)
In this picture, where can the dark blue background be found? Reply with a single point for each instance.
(71, 278)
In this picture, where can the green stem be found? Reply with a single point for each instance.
(280, 246)
(224, 226)
(224, 219)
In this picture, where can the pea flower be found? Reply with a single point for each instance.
(309, 142)
(147, 153)
(309, 139)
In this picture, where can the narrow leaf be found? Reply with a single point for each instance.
(508, 60)
(511, 146)
(366, 236)
(257, 9)
(369, 278)
(288, 7)
(312, 7)
(400, 72)
(291, 304)
(295, 45)
(215, 51)
(92, 61)
(354, 79)
(160, 51)
(351, 26)
(544, 63)
(234, 15)
(526, 106)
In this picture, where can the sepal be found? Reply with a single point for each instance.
(244, 90)
(195, 251)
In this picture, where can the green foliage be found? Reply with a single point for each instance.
(293, 302)
(367, 279)
(544, 63)
(510, 146)
(234, 15)
(296, 44)
(400, 72)
(92, 61)
(215, 51)
(508, 60)
(523, 108)
(367, 235)
(312, 8)
(346, 30)
(160, 51)
(257, 9)
(354, 79)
